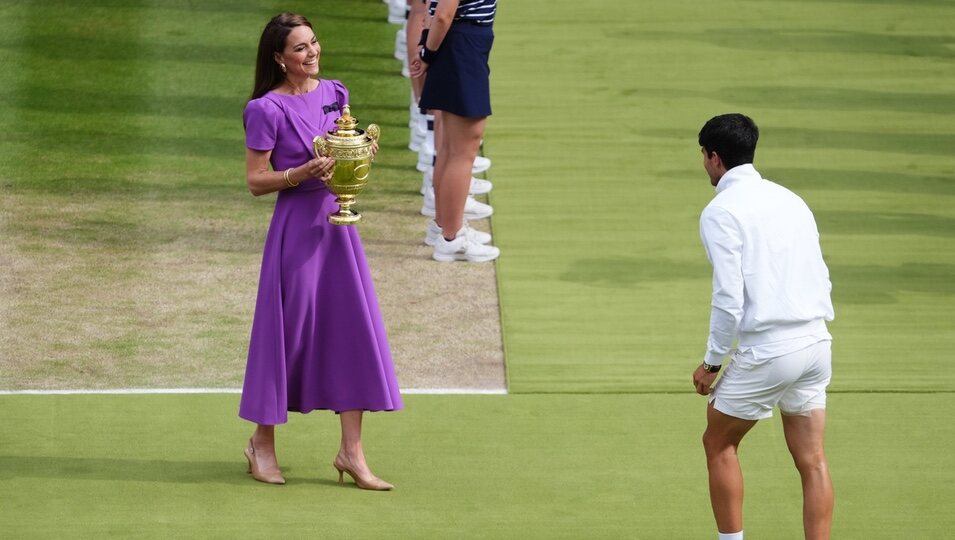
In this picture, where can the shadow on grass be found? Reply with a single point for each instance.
(133, 470)
(801, 179)
(794, 40)
(72, 101)
(884, 223)
(631, 271)
(853, 284)
(807, 98)
(834, 139)
(890, 182)
(148, 470)
(871, 284)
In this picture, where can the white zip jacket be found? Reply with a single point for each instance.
(771, 287)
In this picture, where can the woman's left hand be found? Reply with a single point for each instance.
(321, 168)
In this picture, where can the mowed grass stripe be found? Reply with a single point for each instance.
(599, 185)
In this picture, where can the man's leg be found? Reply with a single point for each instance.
(804, 436)
(721, 440)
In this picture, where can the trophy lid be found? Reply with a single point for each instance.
(346, 124)
(346, 136)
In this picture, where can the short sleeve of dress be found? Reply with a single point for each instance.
(341, 93)
(261, 121)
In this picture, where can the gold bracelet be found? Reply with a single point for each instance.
(289, 180)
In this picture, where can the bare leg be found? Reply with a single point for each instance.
(721, 441)
(261, 456)
(440, 146)
(350, 450)
(416, 22)
(804, 436)
(351, 457)
(461, 138)
(263, 442)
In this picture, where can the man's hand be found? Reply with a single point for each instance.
(703, 380)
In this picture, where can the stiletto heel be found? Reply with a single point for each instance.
(269, 477)
(374, 483)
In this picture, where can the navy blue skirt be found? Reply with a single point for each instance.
(457, 81)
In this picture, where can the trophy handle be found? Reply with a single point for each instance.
(319, 145)
(373, 131)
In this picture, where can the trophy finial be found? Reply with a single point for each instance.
(346, 123)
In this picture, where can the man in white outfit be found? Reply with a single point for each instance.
(771, 293)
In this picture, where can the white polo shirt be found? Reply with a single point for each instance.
(771, 287)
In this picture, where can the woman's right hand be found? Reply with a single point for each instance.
(418, 69)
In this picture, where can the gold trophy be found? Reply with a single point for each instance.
(351, 150)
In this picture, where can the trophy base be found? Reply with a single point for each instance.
(346, 217)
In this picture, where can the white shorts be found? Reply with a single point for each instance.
(797, 382)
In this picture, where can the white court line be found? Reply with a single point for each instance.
(134, 391)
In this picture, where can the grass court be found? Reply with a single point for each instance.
(129, 253)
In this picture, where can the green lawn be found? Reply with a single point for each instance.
(599, 180)
(519, 466)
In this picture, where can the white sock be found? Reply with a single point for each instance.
(731, 536)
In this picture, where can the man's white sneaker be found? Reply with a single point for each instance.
(434, 232)
(472, 208)
(481, 164)
(463, 248)
(479, 186)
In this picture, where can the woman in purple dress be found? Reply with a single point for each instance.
(318, 340)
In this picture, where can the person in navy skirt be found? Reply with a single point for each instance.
(454, 53)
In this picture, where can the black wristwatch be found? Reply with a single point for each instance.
(427, 55)
(711, 369)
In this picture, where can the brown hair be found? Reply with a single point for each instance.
(267, 72)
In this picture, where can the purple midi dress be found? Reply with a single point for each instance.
(318, 339)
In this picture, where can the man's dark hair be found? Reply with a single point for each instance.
(733, 136)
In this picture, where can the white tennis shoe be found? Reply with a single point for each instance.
(481, 164)
(396, 11)
(426, 157)
(434, 232)
(472, 209)
(401, 43)
(462, 248)
(478, 186)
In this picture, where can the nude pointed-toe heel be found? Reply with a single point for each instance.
(271, 476)
(374, 483)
